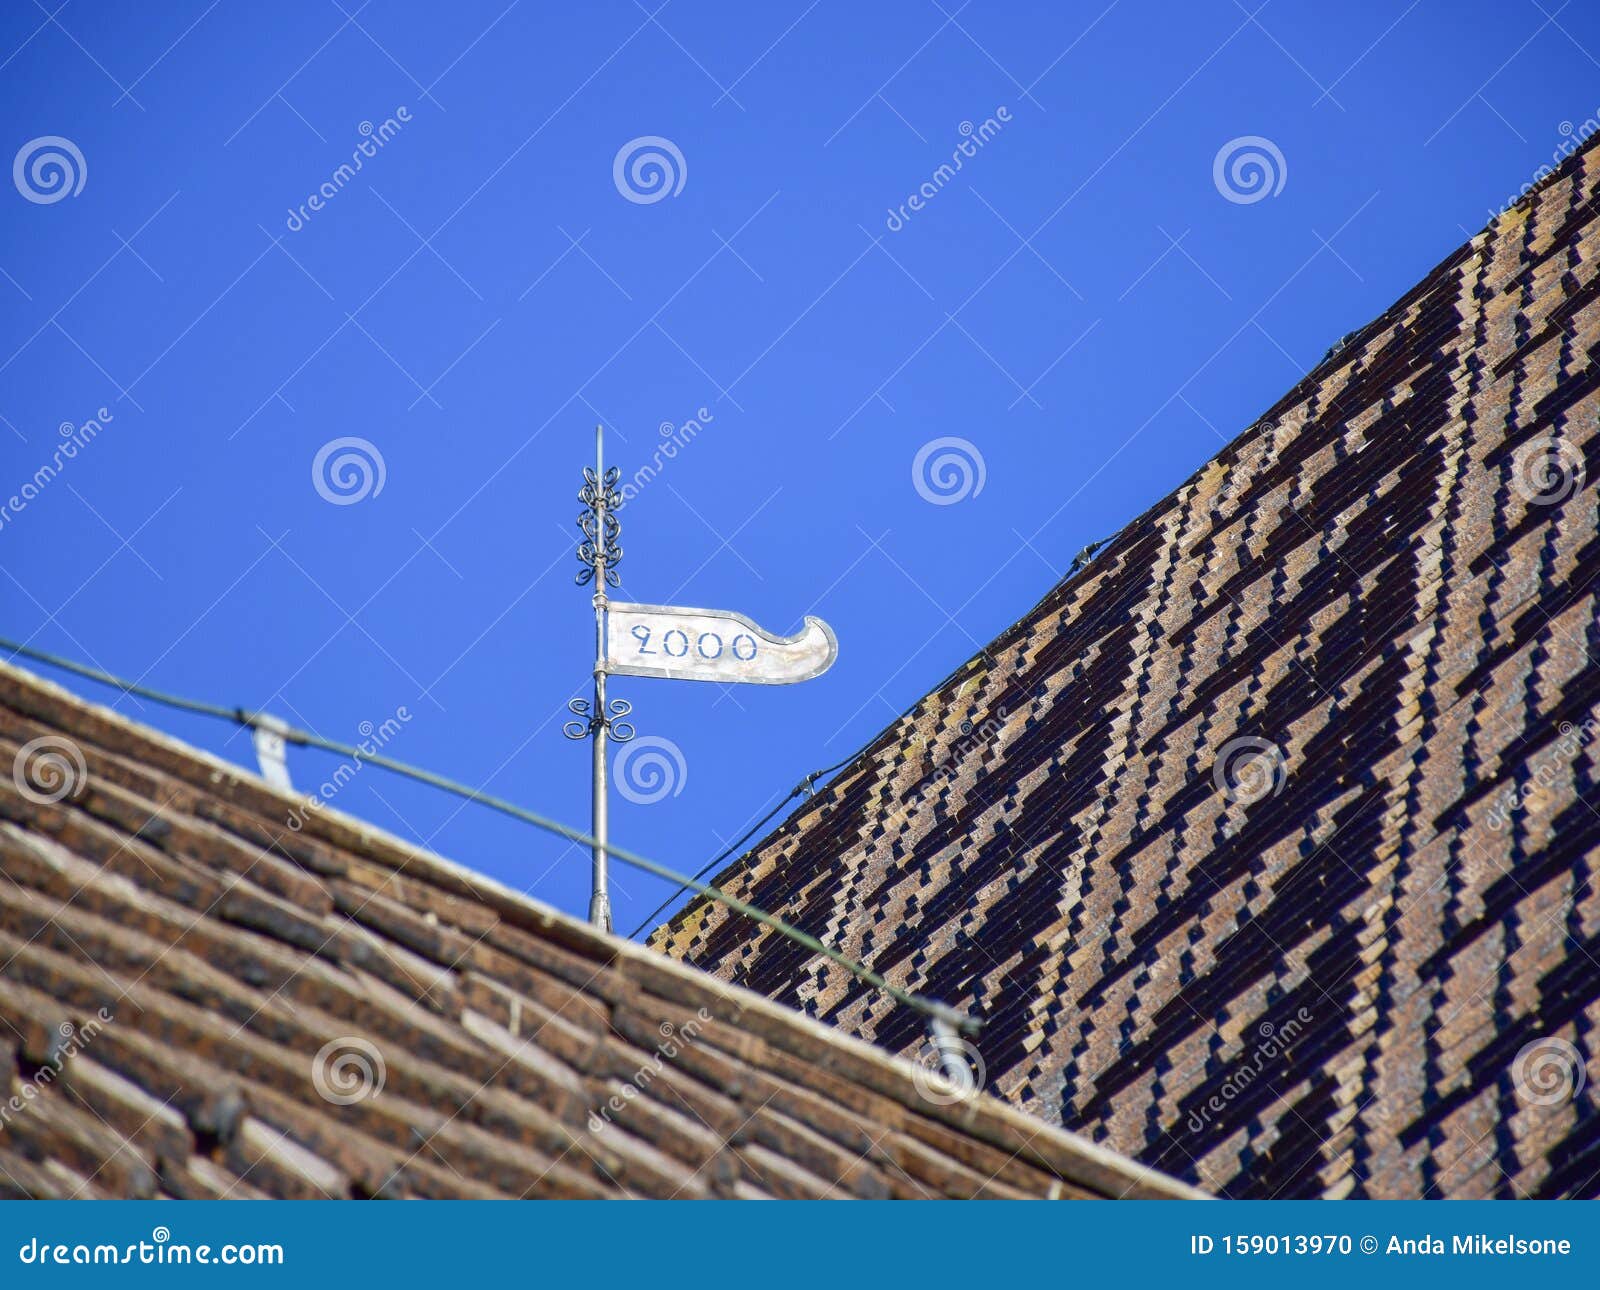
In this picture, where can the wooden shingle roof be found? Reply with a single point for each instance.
(197, 1000)
(1267, 843)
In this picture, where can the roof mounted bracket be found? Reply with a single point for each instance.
(268, 735)
(952, 1050)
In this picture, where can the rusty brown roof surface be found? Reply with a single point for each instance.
(196, 1000)
(1266, 843)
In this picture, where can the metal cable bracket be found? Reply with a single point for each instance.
(268, 734)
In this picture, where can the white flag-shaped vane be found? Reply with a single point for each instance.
(712, 645)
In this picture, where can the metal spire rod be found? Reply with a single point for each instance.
(599, 554)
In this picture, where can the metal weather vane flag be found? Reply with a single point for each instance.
(673, 642)
(712, 645)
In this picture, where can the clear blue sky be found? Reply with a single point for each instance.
(1081, 303)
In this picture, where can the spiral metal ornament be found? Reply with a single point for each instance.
(578, 729)
(618, 730)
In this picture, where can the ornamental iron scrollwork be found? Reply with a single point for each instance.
(599, 551)
(618, 730)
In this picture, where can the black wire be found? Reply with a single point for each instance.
(808, 783)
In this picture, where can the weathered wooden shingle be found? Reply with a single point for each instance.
(1266, 843)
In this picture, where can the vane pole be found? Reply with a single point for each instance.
(598, 555)
(600, 895)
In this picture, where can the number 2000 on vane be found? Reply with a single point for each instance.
(676, 643)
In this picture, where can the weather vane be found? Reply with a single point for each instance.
(667, 641)
(599, 555)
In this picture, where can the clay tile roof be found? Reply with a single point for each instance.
(1266, 843)
(196, 1000)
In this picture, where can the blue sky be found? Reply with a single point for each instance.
(1084, 303)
